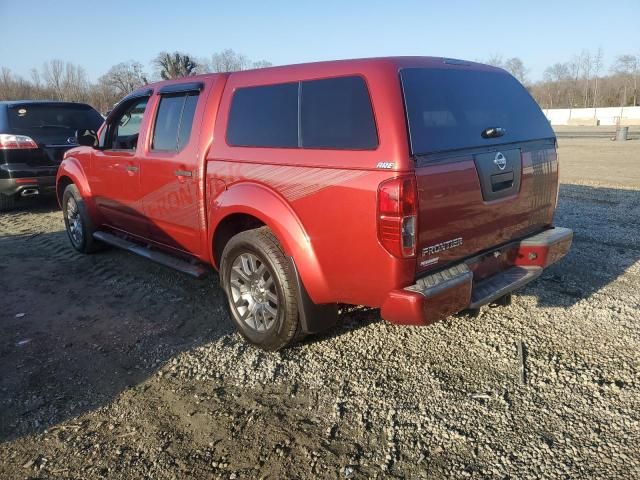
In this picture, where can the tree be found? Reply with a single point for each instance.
(597, 66)
(65, 81)
(175, 65)
(230, 61)
(628, 67)
(495, 60)
(262, 64)
(124, 77)
(53, 72)
(586, 63)
(516, 68)
(512, 65)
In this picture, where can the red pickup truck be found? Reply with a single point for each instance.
(421, 186)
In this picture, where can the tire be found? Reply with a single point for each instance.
(77, 221)
(7, 202)
(258, 281)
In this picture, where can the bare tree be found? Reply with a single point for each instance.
(495, 60)
(262, 64)
(124, 77)
(597, 66)
(175, 65)
(53, 74)
(516, 68)
(230, 61)
(586, 64)
(628, 66)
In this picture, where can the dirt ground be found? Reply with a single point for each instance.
(595, 161)
(112, 367)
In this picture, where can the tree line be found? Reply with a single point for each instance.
(66, 81)
(583, 81)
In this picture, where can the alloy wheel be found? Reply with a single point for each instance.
(74, 222)
(253, 292)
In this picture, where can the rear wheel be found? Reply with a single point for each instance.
(7, 202)
(77, 221)
(260, 288)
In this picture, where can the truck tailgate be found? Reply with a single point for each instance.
(459, 215)
(485, 160)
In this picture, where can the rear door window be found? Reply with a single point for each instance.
(450, 108)
(173, 122)
(264, 116)
(336, 113)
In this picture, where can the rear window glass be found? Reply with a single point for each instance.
(450, 108)
(265, 116)
(336, 113)
(53, 117)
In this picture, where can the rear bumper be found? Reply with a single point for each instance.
(467, 284)
(28, 186)
(27, 180)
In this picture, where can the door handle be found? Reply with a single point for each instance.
(131, 168)
(183, 173)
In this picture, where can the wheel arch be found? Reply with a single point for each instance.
(71, 171)
(250, 205)
(61, 184)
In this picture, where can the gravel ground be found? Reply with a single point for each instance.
(112, 367)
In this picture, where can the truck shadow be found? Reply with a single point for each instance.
(77, 330)
(606, 222)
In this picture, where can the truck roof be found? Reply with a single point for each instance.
(331, 66)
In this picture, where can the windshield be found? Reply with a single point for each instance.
(45, 116)
(450, 108)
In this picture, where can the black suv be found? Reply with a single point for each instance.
(33, 138)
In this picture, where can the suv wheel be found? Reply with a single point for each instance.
(260, 288)
(77, 221)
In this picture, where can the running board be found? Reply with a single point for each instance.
(492, 288)
(195, 270)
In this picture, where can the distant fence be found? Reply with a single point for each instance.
(594, 116)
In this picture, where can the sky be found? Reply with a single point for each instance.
(97, 35)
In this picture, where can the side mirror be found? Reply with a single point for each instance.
(87, 138)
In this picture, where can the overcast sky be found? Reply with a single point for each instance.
(98, 35)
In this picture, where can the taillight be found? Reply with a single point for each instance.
(16, 142)
(397, 219)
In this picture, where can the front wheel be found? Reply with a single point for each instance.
(258, 281)
(77, 221)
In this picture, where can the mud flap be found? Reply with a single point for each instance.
(313, 318)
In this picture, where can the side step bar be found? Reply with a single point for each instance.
(195, 270)
(492, 288)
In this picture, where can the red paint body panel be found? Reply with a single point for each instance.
(321, 204)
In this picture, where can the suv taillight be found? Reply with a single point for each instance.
(397, 216)
(16, 142)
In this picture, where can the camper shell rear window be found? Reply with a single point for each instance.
(449, 108)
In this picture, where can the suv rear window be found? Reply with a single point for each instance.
(53, 116)
(332, 113)
(449, 109)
